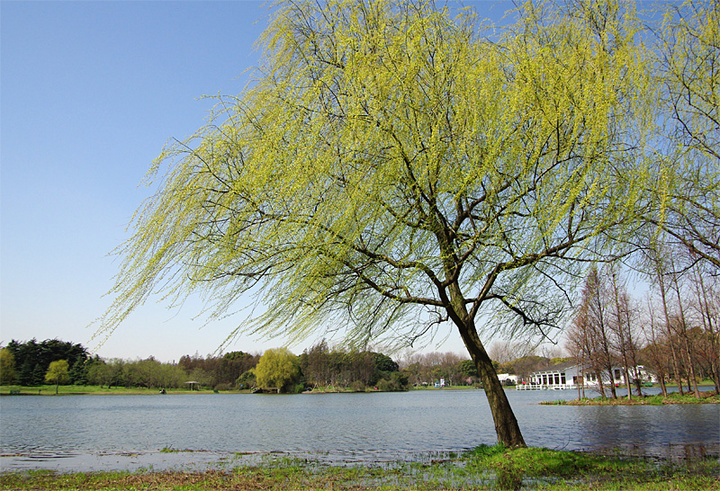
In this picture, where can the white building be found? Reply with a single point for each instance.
(558, 377)
(569, 375)
(506, 378)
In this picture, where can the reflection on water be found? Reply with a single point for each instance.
(101, 432)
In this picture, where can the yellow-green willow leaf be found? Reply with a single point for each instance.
(688, 79)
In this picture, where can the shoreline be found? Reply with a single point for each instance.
(91, 390)
(485, 467)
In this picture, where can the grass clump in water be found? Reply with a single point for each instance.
(542, 468)
(512, 467)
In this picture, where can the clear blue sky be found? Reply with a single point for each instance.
(90, 92)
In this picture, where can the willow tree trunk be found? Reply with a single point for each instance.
(506, 425)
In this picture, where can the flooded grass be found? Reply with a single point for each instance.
(176, 450)
(485, 467)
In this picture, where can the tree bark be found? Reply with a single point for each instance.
(661, 379)
(506, 425)
(598, 376)
(611, 374)
(684, 336)
(675, 364)
(708, 329)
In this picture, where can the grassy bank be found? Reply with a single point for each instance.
(653, 400)
(49, 390)
(483, 468)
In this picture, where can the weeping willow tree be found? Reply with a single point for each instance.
(395, 166)
(689, 71)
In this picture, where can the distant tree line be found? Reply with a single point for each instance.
(216, 372)
(221, 373)
(319, 367)
(350, 369)
(425, 369)
(27, 363)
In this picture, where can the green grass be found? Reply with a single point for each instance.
(653, 400)
(486, 467)
(175, 450)
(49, 390)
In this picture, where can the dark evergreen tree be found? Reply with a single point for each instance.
(32, 359)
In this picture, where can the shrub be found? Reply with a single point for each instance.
(247, 380)
(357, 386)
(393, 382)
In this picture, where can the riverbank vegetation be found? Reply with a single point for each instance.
(645, 400)
(482, 468)
(322, 369)
(25, 366)
(44, 390)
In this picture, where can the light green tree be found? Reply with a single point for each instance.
(8, 374)
(396, 167)
(688, 194)
(277, 369)
(108, 372)
(58, 373)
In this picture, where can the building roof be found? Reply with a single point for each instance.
(560, 367)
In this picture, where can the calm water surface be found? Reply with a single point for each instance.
(128, 432)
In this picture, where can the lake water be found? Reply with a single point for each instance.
(127, 432)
